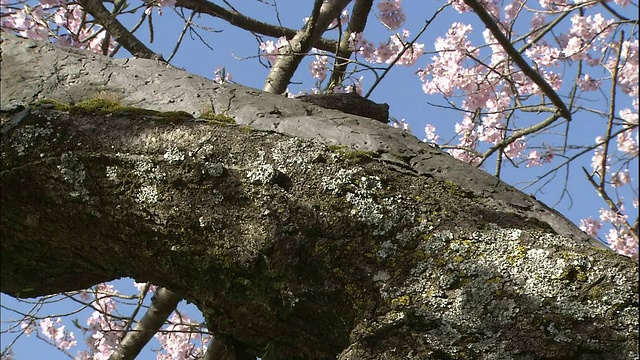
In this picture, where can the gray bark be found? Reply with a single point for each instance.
(290, 55)
(385, 248)
(163, 303)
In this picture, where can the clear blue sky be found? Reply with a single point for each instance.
(401, 90)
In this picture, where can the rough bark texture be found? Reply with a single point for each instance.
(350, 103)
(383, 248)
(290, 55)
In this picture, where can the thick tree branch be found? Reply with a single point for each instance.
(292, 54)
(377, 247)
(163, 303)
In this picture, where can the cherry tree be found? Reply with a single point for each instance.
(519, 75)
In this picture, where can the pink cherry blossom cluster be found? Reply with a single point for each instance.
(431, 137)
(619, 236)
(221, 76)
(51, 331)
(391, 14)
(586, 33)
(181, 338)
(447, 70)
(400, 124)
(65, 22)
(398, 50)
(177, 339)
(319, 66)
(102, 333)
(104, 330)
(458, 70)
(270, 49)
(537, 159)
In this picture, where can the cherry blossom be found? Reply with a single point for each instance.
(56, 332)
(612, 217)
(391, 13)
(177, 339)
(587, 83)
(626, 143)
(590, 226)
(516, 148)
(620, 178)
(389, 51)
(221, 76)
(536, 159)
(544, 55)
(623, 243)
(596, 162)
(430, 131)
(270, 49)
(318, 67)
(401, 124)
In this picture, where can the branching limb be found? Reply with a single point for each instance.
(612, 109)
(292, 54)
(246, 23)
(544, 86)
(118, 31)
(632, 230)
(163, 303)
(187, 24)
(520, 133)
(357, 23)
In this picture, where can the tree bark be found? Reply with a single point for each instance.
(299, 232)
(290, 55)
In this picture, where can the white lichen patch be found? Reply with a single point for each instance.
(111, 173)
(173, 154)
(295, 153)
(147, 194)
(72, 171)
(387, 248)
(363, 199)
(262, 174)
(496, 269)
(27, 135)
(365, 193)
(559, 335)
(148, 171)
(334, 184)
(381, 276)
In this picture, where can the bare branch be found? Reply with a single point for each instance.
(612, 109)
(118, 31)
(246, 23)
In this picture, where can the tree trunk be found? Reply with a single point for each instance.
(385, 249)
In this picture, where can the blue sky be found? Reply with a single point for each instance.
(236, 50)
